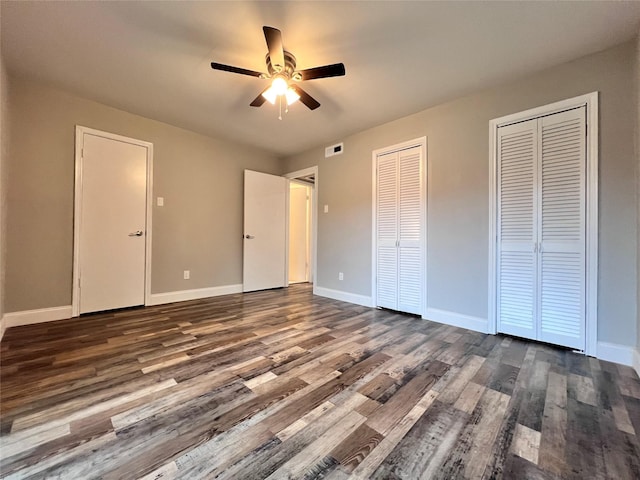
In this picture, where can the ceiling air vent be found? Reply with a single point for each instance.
(334, 150)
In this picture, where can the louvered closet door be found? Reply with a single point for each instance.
(398, 230)
(562, 209)
(387, 231)
(409, 215)
(516, 263)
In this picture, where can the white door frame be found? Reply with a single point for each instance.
(416, 142)
(590, 101)
(313, 272)
(77, 209)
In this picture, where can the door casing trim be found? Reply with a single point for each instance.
(313, 272)
(420, 142)
(77, 209)
(590, 101)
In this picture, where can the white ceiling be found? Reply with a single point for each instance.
(153, 58)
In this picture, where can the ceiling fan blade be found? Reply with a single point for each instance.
(229, 68)
(259, 100)
(334, 70)
(273, 36)
(305, 98)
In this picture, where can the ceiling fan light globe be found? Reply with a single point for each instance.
(270, 95)
(292, 96)
(279, 86)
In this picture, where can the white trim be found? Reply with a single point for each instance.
(287, 214)
(591, 328)
(28, 317)
(614, 352)
(195, 294)
(492, 324)
(424, 162)
(636, 360)
(343, 296)
(476, 324)
(313, 273)
(77, 208)
(589, 100)
(2, 327)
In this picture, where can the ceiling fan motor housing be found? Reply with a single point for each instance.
(289, 65)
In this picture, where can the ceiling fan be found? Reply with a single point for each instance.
(281, 68)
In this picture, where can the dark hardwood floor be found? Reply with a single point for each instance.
(282, 384)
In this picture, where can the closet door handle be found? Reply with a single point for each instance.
(535, 247)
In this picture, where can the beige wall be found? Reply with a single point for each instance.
(458, 190)
(637, 135)
(4, 133)
(200, 178)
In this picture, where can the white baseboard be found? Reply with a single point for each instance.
(183, 295)
(636, 360)
(614, 352)
(343, 296)
(28, 317)
(447, 317)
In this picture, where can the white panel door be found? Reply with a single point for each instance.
(562, 220)
(516, 279)
(112, 224)
(264, 262)
(399, 214)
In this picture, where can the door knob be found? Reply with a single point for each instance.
(137, 233)
(249, 237)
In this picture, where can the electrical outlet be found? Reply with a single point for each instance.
(186, 275)
(340, 276)
(326, 209)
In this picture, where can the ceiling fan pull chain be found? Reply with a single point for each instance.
(280, 103)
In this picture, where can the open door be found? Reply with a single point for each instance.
(265, 235)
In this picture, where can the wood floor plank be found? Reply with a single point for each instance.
(553, 439)
(354, 448)
(285, 384)
(427, 444)
(526, 443)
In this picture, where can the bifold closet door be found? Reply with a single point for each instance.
(542, 201)
(517, 236)
(387, 231)
(562, 226)
(398, 231)
(409, 219)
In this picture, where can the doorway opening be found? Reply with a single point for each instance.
(302, 226)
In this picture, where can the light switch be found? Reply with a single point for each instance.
(160, 201)
(326, 209)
